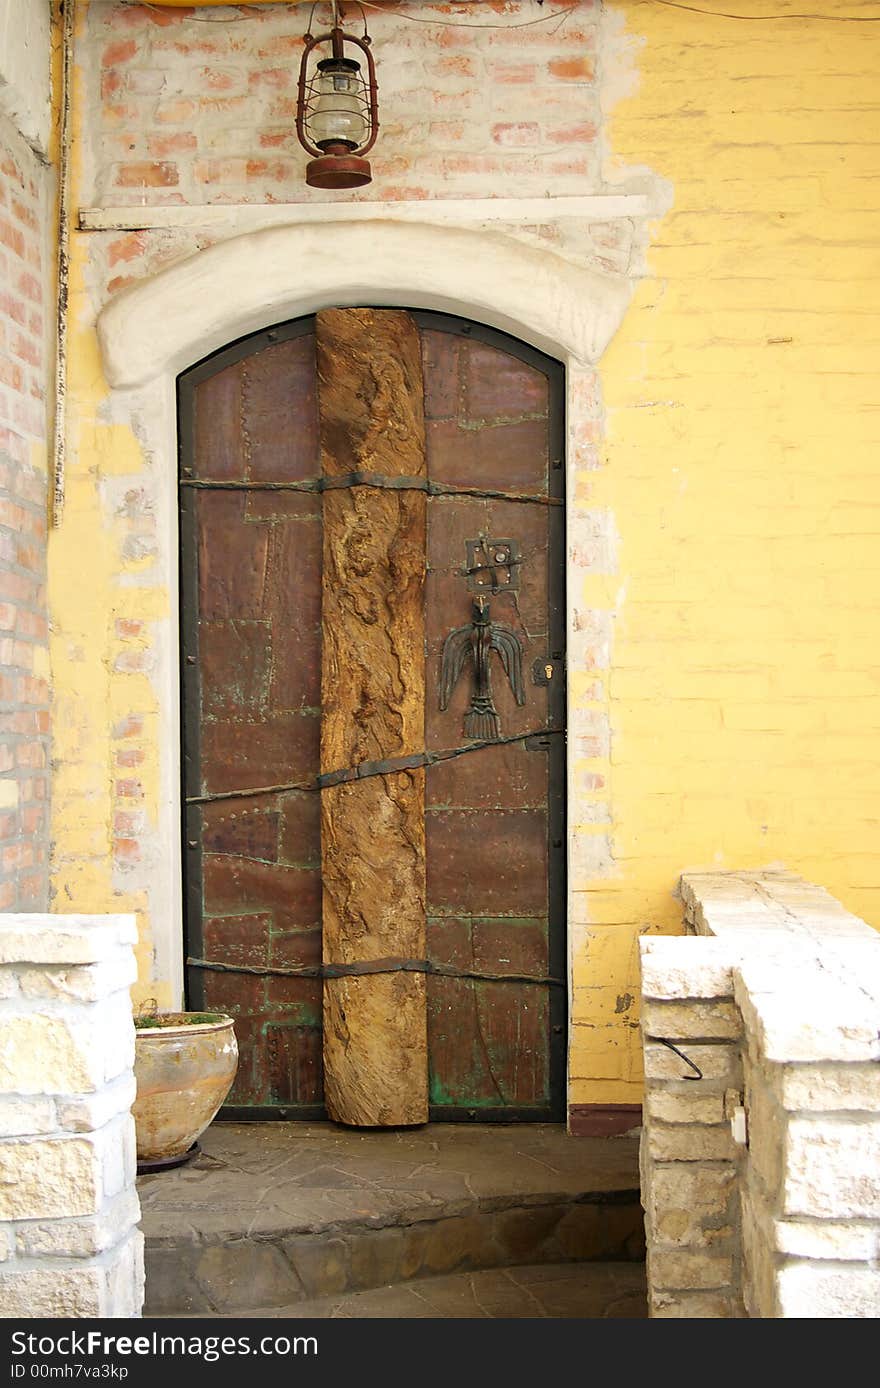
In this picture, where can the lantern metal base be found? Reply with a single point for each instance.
(338, 171)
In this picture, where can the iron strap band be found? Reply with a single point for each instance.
(366, 479)
(363, 967)
(374, 768)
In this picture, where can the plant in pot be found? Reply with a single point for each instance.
(184, 1066)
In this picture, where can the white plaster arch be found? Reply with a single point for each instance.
(240, 285)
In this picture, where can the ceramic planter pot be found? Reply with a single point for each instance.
(184, 1069)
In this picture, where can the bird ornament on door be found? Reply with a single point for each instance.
(477, 640)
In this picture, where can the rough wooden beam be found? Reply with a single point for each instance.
(373, 694)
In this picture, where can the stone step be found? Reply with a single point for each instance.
(272, 1215)
(588, 1291)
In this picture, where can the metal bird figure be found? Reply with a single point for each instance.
(478, 639)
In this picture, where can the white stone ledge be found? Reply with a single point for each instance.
(61, 939)
(728, 904)
(829, 1240)
(680, 967)
(81, 982)
(232, 217)
(797, 1012)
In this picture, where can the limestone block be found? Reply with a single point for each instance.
(8, 982)
(687, 1143)
(690, 1229)
(758, 1258)
(80, 1238)
(686, 1105)
(800, 1014)
(114, 1032)
(720, 1062)
(856, 960)
(109, 1286)
(815, 1291)
(40, 1055)
(695, 1019)
(691, 1186)
(693, 1306)
(50, 1292)
(742, 925)
(815, 910)
(678, 967)
(118, 1167)
(767, 1125)
(36, 938)
(26, 1117)
(70, 1049)
(832, 1168)
(124, 1272)
(826, 1088)
(49, 1177)
(696, 1269)
(88, 1112)
(826, 1239)
(81, 983)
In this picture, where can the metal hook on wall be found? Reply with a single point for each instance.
(698, 1075)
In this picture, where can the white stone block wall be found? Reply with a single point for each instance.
(780, 1010)
(69, 1241)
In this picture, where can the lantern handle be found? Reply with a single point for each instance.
(365, 36)
(308, 33)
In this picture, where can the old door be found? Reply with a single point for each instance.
(280, 435)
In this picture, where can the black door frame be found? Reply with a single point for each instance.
(557, 866)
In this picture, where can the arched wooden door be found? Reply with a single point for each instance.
(373, 675)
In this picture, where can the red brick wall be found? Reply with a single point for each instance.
(199, 107)
(24, 690)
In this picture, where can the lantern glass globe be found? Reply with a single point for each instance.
(338, 116)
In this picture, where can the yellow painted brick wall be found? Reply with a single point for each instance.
(743, 470)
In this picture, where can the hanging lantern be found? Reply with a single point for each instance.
(336, 114)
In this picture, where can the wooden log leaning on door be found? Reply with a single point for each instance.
(371, 409)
